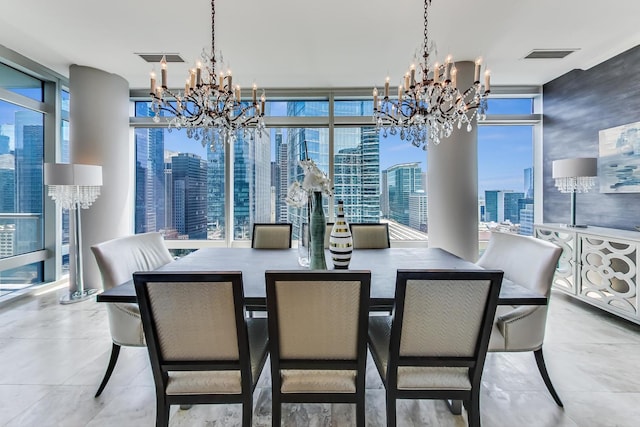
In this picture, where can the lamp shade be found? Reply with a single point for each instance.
(571, 168)
(72, 174)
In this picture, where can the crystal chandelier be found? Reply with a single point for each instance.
(429, 105)
(210, 106)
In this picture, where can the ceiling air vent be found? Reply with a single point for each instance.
(157, 57)
(549, 53)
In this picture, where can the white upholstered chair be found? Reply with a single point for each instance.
(435, 343)
(271, 236)
(117, 260)
(318, 337)
(529, 262)
(201, 347)
(370, 235)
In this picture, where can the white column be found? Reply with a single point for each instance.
(99, 135)
(452, 168)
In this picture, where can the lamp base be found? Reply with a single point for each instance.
(77, 296)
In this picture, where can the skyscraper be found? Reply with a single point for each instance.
(281, 178)
(402, 180)
(418, 210)
(150, 180)
(528, 183)
(29, 156)
(189, 188)
(7, 183)
(251, 185)
(502, 205)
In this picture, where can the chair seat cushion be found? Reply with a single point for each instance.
(318, 381)
(412, 377)
(433, 377)
(204, 382)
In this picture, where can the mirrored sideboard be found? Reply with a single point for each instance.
(598, 265)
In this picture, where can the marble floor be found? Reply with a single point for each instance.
(52, 357)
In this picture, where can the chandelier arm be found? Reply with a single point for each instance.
(431, 105)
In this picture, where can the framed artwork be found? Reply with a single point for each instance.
(619, 162)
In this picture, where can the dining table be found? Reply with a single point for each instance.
(383, 264)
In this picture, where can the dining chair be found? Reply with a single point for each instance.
(117, 260)
(202, 348)
(531, 263)
(271, 236)
(370, 235)
(318, 337)
(434, 344)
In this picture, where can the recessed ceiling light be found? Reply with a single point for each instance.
(549, 53)
(157, 57)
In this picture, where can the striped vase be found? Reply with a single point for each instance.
(340, 241)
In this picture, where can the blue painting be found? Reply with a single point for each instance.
(619, 162)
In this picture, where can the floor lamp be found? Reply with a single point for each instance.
(575, 176)
(74, 187)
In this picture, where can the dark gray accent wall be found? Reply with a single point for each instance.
(576, 107)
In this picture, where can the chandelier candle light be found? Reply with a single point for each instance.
(429, 103)
(210, 105)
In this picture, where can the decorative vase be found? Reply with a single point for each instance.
(304, 249)
(340, 240)
(317, 226)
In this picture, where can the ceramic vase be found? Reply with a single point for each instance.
(340, 240)
(317, 226)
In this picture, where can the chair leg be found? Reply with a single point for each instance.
(247, 411)
(545, 376)
(162, 412)
(391, 411)
(115, 351)
(276, 411)
(473, 409)
(360, 410)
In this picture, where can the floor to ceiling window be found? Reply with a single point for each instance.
(378, 176)
(21, 187)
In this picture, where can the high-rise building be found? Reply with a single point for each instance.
(492, 206)
(418, 211)
(251, 185)
(29, 152)
(4, 145)
(401, 181)
(528, 183)
(216, 191)
(502, 205)
(7, 240)
(189, 194)
(7, 184)
(526, 218)
(512, 207)
(357, 165)
(384, 194)
(150, 180)
(303, 143)
(281, 178)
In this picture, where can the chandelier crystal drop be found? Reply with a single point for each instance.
(429, 104)
(210, 106)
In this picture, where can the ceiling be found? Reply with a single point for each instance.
(328, 43)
